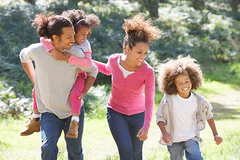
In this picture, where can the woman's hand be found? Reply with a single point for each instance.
(142, 135)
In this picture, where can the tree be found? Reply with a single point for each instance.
(234, 5)
(150, 5)
(30, 1)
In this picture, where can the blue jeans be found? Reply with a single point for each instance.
(51, 128)
(190, 147)
(124, 130)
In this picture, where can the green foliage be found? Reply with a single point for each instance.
(95, 101)
(11, 106)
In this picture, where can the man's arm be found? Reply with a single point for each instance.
(29, 69)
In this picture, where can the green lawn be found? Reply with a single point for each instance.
(98, 143)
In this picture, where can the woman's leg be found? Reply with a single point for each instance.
(120, 131)
(135, 124)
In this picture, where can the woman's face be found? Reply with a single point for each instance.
(137, 54)
(184, 85)
(82, 34)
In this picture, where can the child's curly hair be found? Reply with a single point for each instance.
(170, 70)
(139, 30)
(79, 18)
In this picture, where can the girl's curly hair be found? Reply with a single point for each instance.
(79, 18)
(139, 30)
(170, 70)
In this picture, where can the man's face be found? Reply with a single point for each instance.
(66, 40)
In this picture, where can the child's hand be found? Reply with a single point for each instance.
(66, 56)
(218, 139)
(166, 138)
(142, 135)
(58, 55)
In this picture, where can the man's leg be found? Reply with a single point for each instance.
(51, 128)
(74, 146)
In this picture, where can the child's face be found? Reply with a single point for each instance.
(82, 34)
(184, 85)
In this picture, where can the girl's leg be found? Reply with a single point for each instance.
(192, 150)
(33, 124)
(76, 105)
(176, 151)
(76, 92)
(36, 113)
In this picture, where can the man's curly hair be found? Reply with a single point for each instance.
(170, 70)
(79, 18)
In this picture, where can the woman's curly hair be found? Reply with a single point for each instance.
(138, 29)
(170, 70)
(79, 18)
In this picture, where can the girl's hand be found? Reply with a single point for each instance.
(66, 56)
(166, 138)
(142, 135)
(218, 139)
(57, 55)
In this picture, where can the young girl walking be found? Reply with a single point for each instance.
(182, 113)
(82, 25)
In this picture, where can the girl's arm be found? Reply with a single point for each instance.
(83, 62)
(212, 125)
(47, 44)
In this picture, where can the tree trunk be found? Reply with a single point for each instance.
(30, 1)
(152, 7)
(73, 2)
(198, 4)
(234, 5)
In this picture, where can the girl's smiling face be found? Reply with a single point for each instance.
(183, 85)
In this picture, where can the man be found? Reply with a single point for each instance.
(53, 81)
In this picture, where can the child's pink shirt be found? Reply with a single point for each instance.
(133, 94)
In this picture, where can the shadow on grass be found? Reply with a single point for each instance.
(222, 112)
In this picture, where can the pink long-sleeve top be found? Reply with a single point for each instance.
(133, 94)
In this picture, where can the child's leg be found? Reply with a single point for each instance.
(176, 150)
(36, 113)
(33, 124)
(76, 92)
(192, 150)
(76, 105)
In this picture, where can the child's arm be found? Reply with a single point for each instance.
(47, 44)
(83, 62)
(166, 136)
(212, 125)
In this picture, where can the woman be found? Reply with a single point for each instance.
(130, 107)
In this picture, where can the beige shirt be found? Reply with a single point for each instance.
(53, 79)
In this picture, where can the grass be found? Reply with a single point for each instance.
(98, 143)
